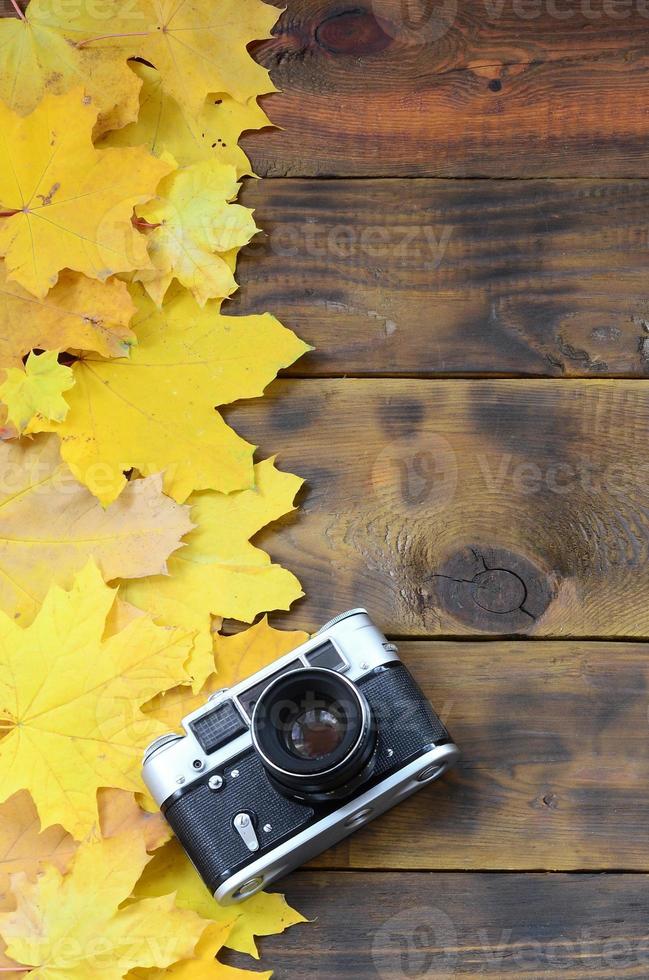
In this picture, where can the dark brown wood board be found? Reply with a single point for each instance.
(555, 767)
(440, 926)
(464, 507)
(459, 88)
(473, 430)
(440, 278)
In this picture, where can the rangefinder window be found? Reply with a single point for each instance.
(218, 727)
(326, 656)
(248, 699)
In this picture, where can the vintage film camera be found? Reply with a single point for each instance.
(287, 763)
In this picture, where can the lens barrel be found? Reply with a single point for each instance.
(315, 734)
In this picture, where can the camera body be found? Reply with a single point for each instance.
(290, 761)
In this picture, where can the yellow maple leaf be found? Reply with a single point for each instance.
(74, 926)
(234, 658)
(25, 847)
(64, 204)
(78, 313)
(212, 134)
(198, 46)
(36, 59)
(50, 525)
(191, 221)
(219, 571)
(155, 410)
(203, 964)
(262, 915)
(37, 389)
(70, 700)
(237, 657)
(119, 813)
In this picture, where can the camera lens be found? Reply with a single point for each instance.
(315, 733)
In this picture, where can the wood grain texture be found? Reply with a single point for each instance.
(555, 767)
(497, 88)
(426, 277)
(465, 507)
(440, 926)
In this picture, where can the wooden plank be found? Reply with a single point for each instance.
(398, 926)
(465, 507)
(555, 766)
(496, 88)
(426, 277)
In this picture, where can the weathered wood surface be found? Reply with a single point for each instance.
(458, 88)
(492, 508)
(465, 507)
(555, 767)
(425, 277)
(439, 926)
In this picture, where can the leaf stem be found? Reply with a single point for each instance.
(8, 214)
(104, 37)
(144, 224)
(15, 5)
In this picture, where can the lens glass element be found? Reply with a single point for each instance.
(316, 733)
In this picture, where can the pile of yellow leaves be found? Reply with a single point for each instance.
(127, 504)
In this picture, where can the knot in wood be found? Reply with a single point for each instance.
(352, 32)
(499, 591)
(493, 589)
